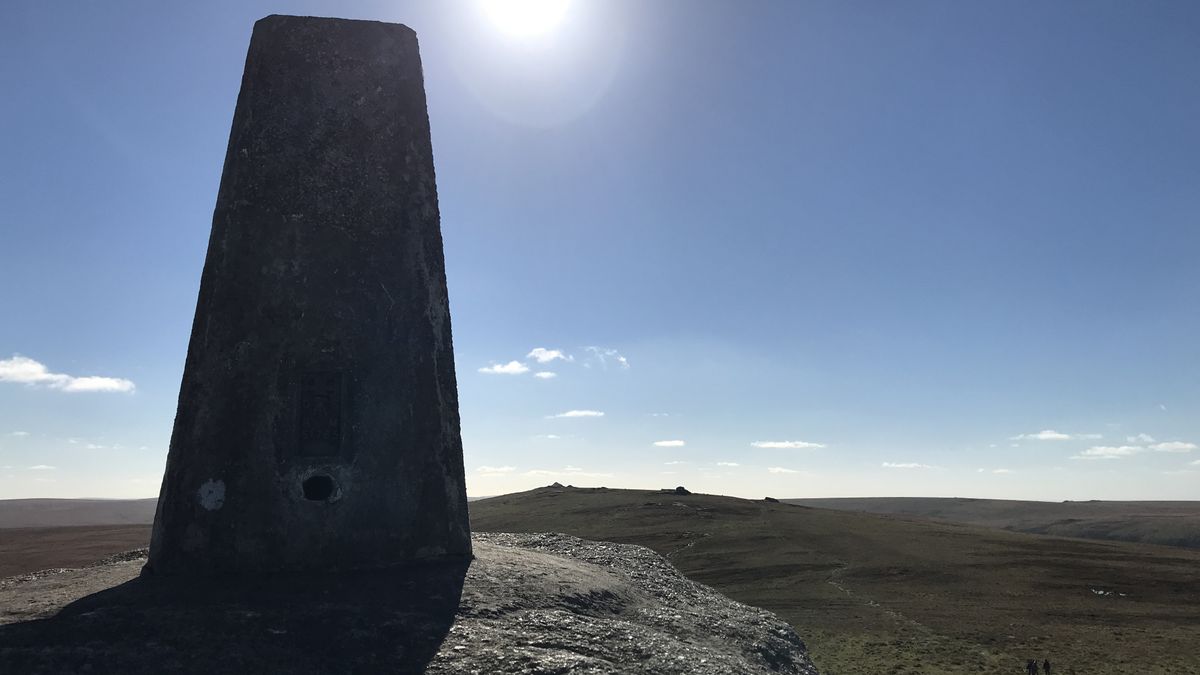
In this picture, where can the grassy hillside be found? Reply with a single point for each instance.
(877, 595)
(1164, 523)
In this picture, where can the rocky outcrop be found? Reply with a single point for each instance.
(528, 603)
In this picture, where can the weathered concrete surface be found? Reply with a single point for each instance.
(531, 603)
(318, 421)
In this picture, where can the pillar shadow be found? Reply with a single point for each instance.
(390, 620)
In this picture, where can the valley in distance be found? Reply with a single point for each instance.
(874, 585)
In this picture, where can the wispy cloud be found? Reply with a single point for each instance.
(576, 413)
(1173, 446)
(780, 469)
(1109, 452)
(1052, 435)
(905, 465)
(545, 375)
(678, 461)
(42, 467)
(660, 414)
(543, 355)
(510, 368)
(568, 472)
(790, 445)
(1140, 438)
(24, 370)
(729, 464)
(495, 470)
(1196, 463)
(606, 357)
(549, 437)
(1122, 451)
(669, 444)
(18, 434)
(1002, 471)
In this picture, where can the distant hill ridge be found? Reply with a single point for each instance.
(1163, 523)
(75, 512)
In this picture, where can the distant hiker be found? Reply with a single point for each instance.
(1046, 666)
(1031, 667)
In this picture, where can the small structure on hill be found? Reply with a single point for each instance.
(318, 421)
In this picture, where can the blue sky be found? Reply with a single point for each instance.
(921, 248)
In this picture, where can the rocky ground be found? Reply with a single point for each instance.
(529, 603)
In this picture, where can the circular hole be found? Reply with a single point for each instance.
(317, 488)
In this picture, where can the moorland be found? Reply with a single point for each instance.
(870, 593)
(1148, 522)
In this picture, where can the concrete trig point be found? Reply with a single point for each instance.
(318, 415)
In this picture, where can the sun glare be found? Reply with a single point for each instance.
(524, 18)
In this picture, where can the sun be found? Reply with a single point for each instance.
(525, 18)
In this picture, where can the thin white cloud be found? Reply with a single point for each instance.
(24, 370)
(549, 437)
(495, 470)
(510, 368)
(95, 446)
(1109, 452)
(543, 355)
(545, 375)
(790, 445)
(1140, 438)
(1173, 446)
(1052, 435)
(42, 467)
(728, 464)
(660, 414)
(780, 469)
(1002, 471)
(567, 472)
(669, 444)
(19, 434)
(676, 462)
(605, 357)
(905, 465)
(576, 413)
(1196, 463)
(1043, 435)
(1162, 407)
(1121, 451)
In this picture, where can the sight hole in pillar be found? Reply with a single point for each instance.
(317, 488)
